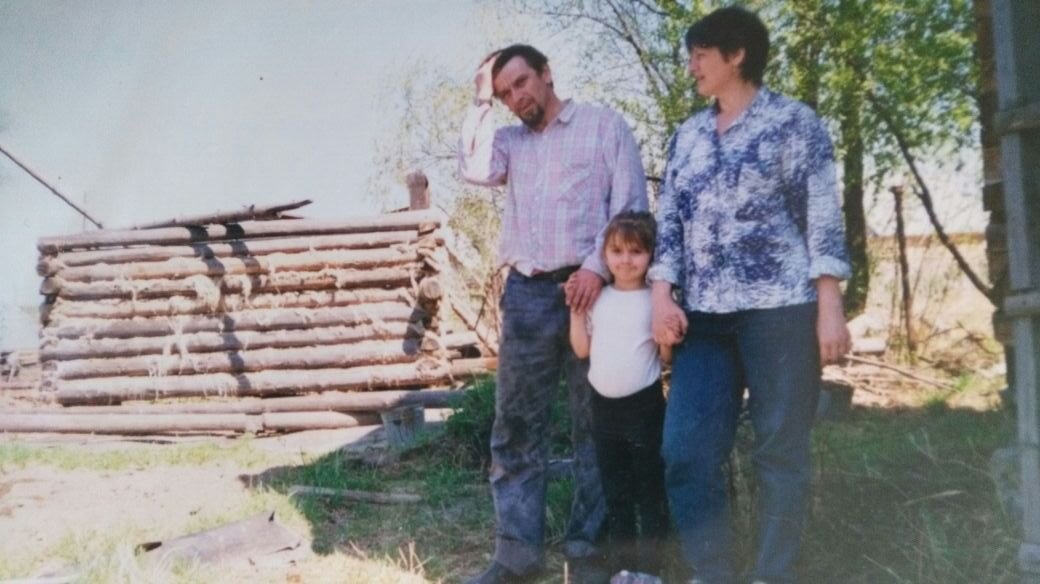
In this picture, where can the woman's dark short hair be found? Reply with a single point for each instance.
(535, 59)
(729, 30)
(635, 228)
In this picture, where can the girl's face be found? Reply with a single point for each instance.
(627, 262)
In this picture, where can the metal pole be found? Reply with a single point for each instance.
(43, 182)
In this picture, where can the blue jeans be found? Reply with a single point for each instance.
(534, 351)
(774, 354)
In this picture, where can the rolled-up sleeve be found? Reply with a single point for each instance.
(669, 255)
(483, 154)
(627, 187)
(813, 173)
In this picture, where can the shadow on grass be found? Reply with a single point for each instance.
(899, 495)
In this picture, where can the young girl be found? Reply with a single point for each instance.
(628, 404)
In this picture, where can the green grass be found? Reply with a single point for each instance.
(900, 496)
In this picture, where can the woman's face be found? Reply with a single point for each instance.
(713, 71)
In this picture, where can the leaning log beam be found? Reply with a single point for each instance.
(86, 348)
(109, 390)
(267, 319)
(49, 265)
(334, 356)
(177, 305)
(410, 220)
(202, 286)
(313, 261)
(247, 213)
(357, 403)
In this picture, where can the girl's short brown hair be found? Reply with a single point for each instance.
(633, 228)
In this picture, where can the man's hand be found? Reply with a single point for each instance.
(831, 330)
(582, 289)
(483, 82)
(669, 319)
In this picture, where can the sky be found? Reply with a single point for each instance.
(140, 110)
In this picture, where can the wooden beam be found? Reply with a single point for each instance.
(329, 356)
(254, 320)
(247, 213)
(202, 286)
(111, 308)
(358, 402)
(108, 390)
(311, 261)
(191, 344)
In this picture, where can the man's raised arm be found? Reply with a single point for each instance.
(482, 153)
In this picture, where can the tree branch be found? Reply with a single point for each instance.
(924, 194)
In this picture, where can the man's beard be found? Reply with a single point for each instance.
(533, 117)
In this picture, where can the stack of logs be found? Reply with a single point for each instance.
(257, 309)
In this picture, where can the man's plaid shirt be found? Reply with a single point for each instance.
(563, 183)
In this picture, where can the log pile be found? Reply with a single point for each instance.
(255, 309)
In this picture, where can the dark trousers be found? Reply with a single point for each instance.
(533, 354)
(628, 448)
(775, 355)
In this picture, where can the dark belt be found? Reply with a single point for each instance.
(558, 276)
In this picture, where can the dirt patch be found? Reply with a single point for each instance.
(41, 506)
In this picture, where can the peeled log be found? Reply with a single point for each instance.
(338, 356)
(203, 286)
(411, 220)
(358, 403)
(175, 305)
(49, 265)
(123, 424)
(313, 261)
(109, 390)
(71, 349)
(269, 319)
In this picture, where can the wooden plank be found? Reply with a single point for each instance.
(268, 383)
(255, 320)
(311, 261)
(241, 340)
(1022, 304)
(410, 220)
(329, 356)
(247, 213)
(111, 308)
(358, 403)
(202, 286)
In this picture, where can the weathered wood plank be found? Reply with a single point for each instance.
(257, 320)
(267, 383)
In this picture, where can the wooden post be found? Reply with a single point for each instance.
(904, 271)
(418, 191)
(1017, 28)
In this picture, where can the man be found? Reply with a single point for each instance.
(568, 169)
(750, 230)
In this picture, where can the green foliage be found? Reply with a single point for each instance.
(468, 430)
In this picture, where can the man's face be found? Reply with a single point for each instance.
(524, 91)
(713, 71)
